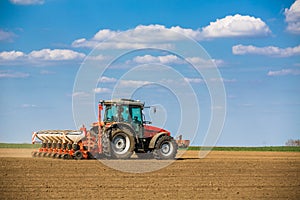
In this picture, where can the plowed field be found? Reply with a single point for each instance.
(221, 175)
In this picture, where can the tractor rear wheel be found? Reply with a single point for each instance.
(122, 143)
(165, 148)
(106, 145)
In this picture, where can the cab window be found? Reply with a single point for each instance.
(110, 113)
(136, 114)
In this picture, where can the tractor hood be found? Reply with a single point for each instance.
(150, 131)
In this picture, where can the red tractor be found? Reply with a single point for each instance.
(122, 132)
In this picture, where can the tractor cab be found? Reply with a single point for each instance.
(126, 111)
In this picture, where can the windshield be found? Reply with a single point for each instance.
(116, 113)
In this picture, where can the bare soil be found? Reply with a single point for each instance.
(221, 175)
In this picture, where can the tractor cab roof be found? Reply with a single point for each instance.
(122, 102)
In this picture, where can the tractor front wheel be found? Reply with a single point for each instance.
(165, 148)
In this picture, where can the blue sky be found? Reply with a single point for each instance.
(255, 45)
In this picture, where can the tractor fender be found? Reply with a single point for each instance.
(155, 138)
(120, 125)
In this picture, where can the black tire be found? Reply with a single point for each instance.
(91, 155)
(106, 145)
(122, 144)
(165, 148)
(54, 155)
(59, 156)
(78, 155)
(75, 147)
(66, 156)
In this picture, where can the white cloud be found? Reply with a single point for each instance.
(223, 80)
(11, 55)
(196, 60)
(157, 59)
(98, 57)
(172, 59)
(236, 26)
(133, 83)
(100, 36)
(194, 80)
(292, 17)
(118, 44)
(6, 36)
(82, 42)
(150, 35)
(217, 108)
(104, 34)
(139, 37)
(195, 34)
(12, 74)
(284, 72)
(56, 54)
(46, 72)
(204, 63)
(218, 62)
(80, 94)
(105, 79)
(44, 56)
(267, 51)
(29, 106)
(27, 2)
(199, 80)
(102, 90)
